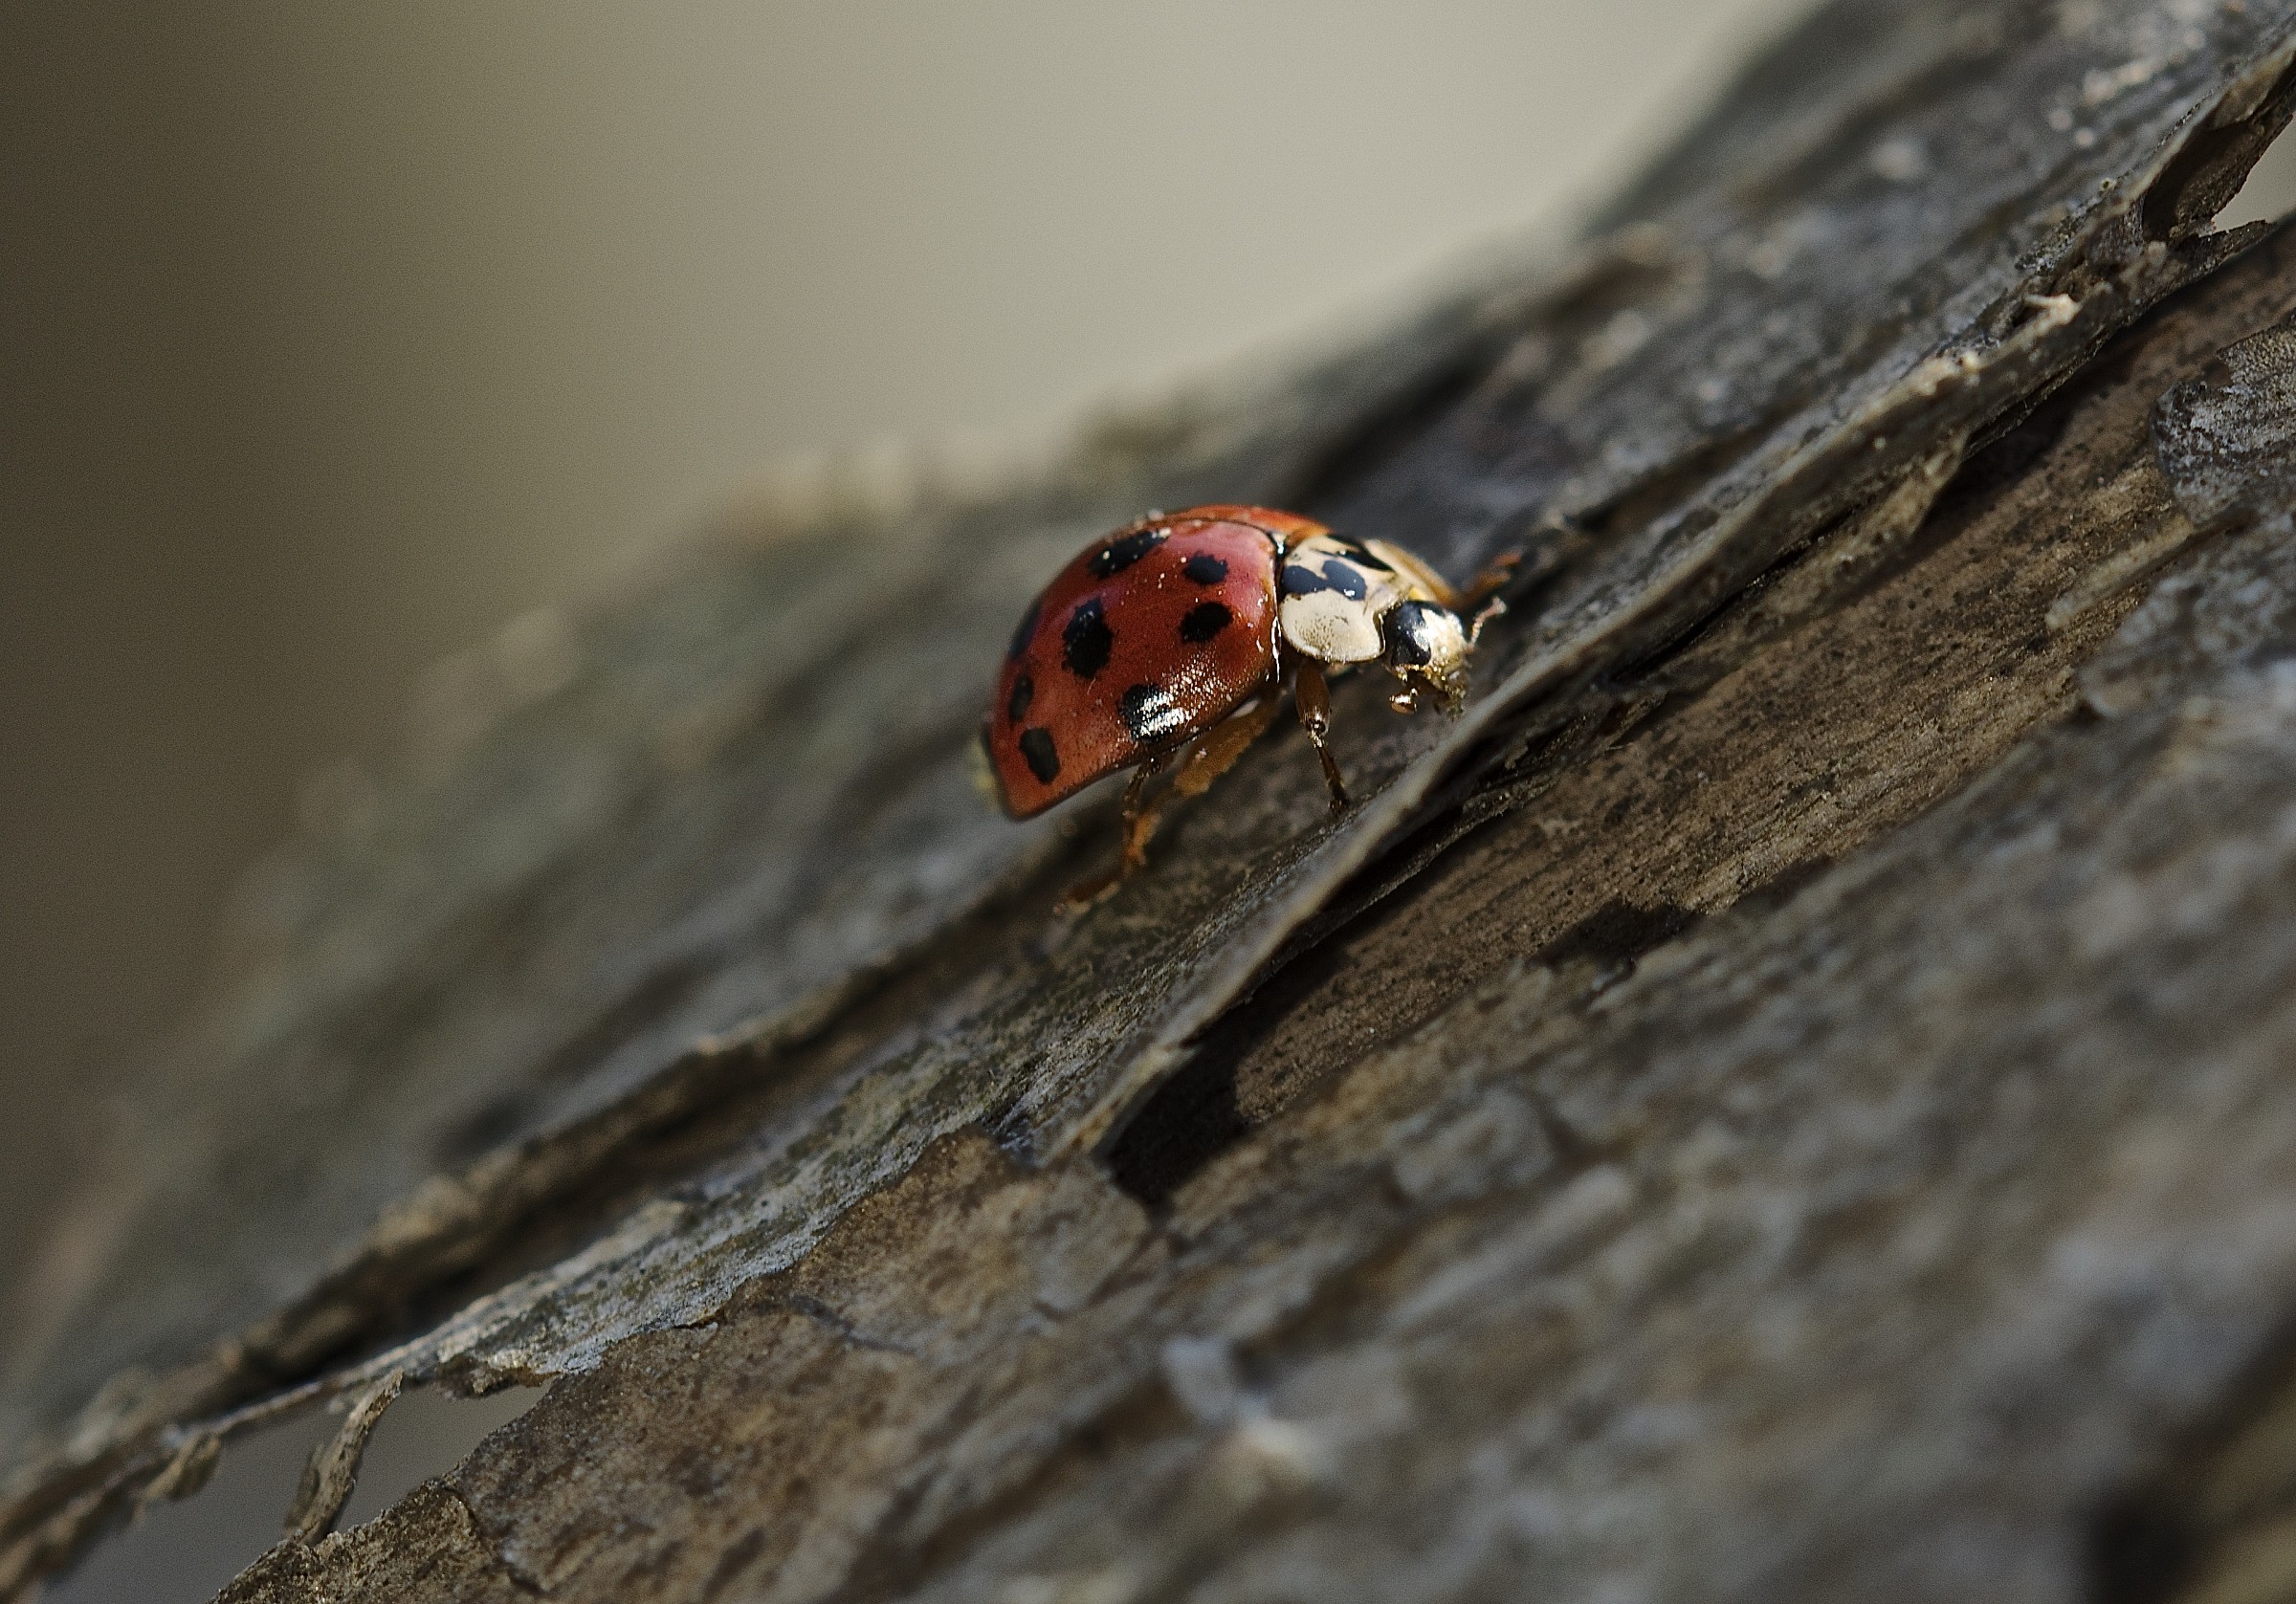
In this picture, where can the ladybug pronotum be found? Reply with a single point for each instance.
(1170, 639)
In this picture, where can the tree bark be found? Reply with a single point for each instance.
(1787, 1097)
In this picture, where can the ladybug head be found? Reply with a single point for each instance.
(1425, 644)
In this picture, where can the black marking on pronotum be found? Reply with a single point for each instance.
(1027, 632)
(1360, 553)
(1410, 630)
(1203, 568)
(1300, 580)
(1203, 621)
(1023, 691)
(1150, 715)
(1125, 550)
(1044, 759)
(1086, 640)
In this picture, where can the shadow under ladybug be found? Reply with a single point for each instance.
(1170, 641)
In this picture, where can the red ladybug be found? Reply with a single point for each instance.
(1169, 639)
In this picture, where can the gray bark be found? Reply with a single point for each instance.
(1786, 1098)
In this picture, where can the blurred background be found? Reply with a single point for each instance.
(339, 336)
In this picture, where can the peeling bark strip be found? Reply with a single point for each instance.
(1491, 1188)
(333, 1469)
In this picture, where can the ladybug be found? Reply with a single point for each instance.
(1169, 640)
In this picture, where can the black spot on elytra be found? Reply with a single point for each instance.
(1086, 640)
(1203, 621)
(1410, 631)
(1300, 580)
(1126, 550)
(1044, 760)
(1149, 713)
(1026, 633)
(1203, 568)
(1023, 691)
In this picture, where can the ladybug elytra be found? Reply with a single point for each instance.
(1168, 641)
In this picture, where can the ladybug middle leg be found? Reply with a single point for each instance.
(1209, 755)
(1218, 747)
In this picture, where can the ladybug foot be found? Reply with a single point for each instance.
(1089, 893)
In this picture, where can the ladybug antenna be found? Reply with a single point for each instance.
(1490, 611)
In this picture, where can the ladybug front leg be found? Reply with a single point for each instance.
(1313, 694)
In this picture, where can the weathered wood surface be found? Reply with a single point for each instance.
(1788, 1098)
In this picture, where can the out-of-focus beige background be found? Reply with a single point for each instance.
(337, 335)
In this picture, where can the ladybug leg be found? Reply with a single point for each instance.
(1209, 755)
(1484, 585)
(1139, 819)
(1132, 857)
(1315, 698)
(1140, 824)
(1218, 747)
(1485, 589)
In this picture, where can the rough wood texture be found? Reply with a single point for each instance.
(1785, 1099)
